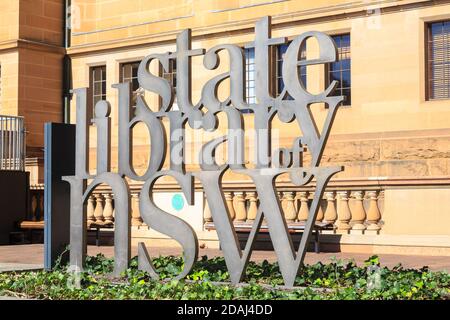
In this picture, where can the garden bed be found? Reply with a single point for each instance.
(335, 280)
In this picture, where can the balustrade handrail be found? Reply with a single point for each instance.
(12, 143)
(353, 210)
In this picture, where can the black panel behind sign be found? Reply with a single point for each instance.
(13, 201)
(59, 161)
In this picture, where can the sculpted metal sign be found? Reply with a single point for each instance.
(291, 105)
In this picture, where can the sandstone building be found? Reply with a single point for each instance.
(392, 133)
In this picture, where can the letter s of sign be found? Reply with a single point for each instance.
(156, 84)
(167, 223)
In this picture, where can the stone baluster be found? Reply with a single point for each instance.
(289, 209)
(358, 213)
(320, 214)
(108, 210)
(239, 206)
(303, 210)
(296, 204)
(252, 207)
(330, 213)
(344, 214)
(207, 217)
(136, 219)
(90, 210)
(98, 212)
(229, 200)
(373, 214)
(380, 202)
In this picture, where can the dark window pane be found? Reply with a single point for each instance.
(341, 69)
(345, 79)
(335, 65)
(346, 94)
(280, 85)
(438, 60)
(335, 76)
(281, 50)
(345, 64)
(129, 74)
(436, 29)
(446, 27)
(135, 84)
(134, 70)
(127, 71)
(250, 76)
(170, 75)
(97, 74)
(279, 68)
(97, 88)
(345, 41)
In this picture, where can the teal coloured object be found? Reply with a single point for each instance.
(177, 202)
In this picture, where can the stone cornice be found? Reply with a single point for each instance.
(342, 11)
(344, 184)
(30, 44)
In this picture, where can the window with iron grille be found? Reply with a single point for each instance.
(250, 94)
(98, 85)
(128, 73)
(341, 70)
(171, 76)
(438, 60)
(279, 56)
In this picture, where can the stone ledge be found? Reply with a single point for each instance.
(389, 240)
(8, 267)
(383, 243)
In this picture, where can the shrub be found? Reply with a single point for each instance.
(336, 280)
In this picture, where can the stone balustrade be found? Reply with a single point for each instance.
(100, 209)
(345, 211)
(352, 211)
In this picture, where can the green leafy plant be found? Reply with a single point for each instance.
(209, 279)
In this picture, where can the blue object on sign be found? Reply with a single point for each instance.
(177, 202)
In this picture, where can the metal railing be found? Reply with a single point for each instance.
(12, 143)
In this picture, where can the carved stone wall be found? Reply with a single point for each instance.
(391, 157)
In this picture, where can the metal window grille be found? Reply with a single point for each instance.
(250, 94)
(171, 76)
(98, 84)
(12, 143)
(128, 73)
(438, 56)
(279, 56)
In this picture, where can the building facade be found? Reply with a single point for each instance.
(31, 69)
(392, 132)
